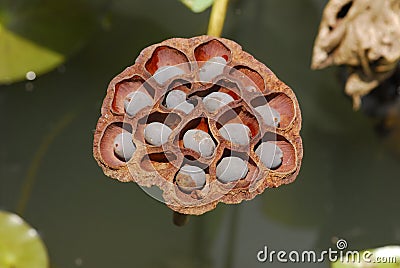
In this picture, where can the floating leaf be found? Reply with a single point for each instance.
(37, 36)
(20, 244)
(198, 6)
(385, 257)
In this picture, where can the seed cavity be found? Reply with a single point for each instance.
(216, 100)
(236, 133)
(136, 101)
(124, 146)
(176, 99)
(270, 154)
(270, 116)
(190, 178)
(231, 169)
(157, 133)
(165, 73)
(211, 69)
(199, 141)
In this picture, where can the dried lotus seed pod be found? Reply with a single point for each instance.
(202, 127)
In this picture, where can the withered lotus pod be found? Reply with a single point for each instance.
(158, 152)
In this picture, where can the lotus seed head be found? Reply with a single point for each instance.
(236, 133)
(124, 146)
(199, 141)
(190, 178)
(231, 169)
(270, 154)
(216, 100)
(136, 101)
(165, 73)
(270, 116)
(211, 69)
(157, 133)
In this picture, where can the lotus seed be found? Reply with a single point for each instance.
(157, 133)
(185, 107)
(216, 100)
(176, 99)
(236, 133)
(199, 141)
(190, 178)
(231, 169)
(163, 74)
(212, 68)
(270, 154)
(136, 101)
(270, 116)
(124, 146)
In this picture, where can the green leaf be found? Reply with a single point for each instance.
(198, 6)
(20, 244)
(384, 257)
(20, 56)
(36, 36)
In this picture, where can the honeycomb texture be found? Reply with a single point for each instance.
(250, 84)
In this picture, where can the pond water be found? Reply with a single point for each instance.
(347, 188)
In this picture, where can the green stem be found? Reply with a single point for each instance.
(217, 17)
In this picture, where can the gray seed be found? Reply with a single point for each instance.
(216, 100)
(231, 169)
(236, 133)
(199, 141)
(185, 107)
(157, 133)
(270, 154)
(165, 73)
(190, 178)
(176, 99)
(124, 146)
(211, 69)
(270, 116)
(136, 101)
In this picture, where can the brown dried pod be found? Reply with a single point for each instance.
(362, 34)
(203, 121)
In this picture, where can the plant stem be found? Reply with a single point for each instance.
(180, 219)
(232, 233)
(217, 17)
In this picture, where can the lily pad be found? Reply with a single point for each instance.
(20, 244)
(198, 6)
(384, 257)
(36, 36)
